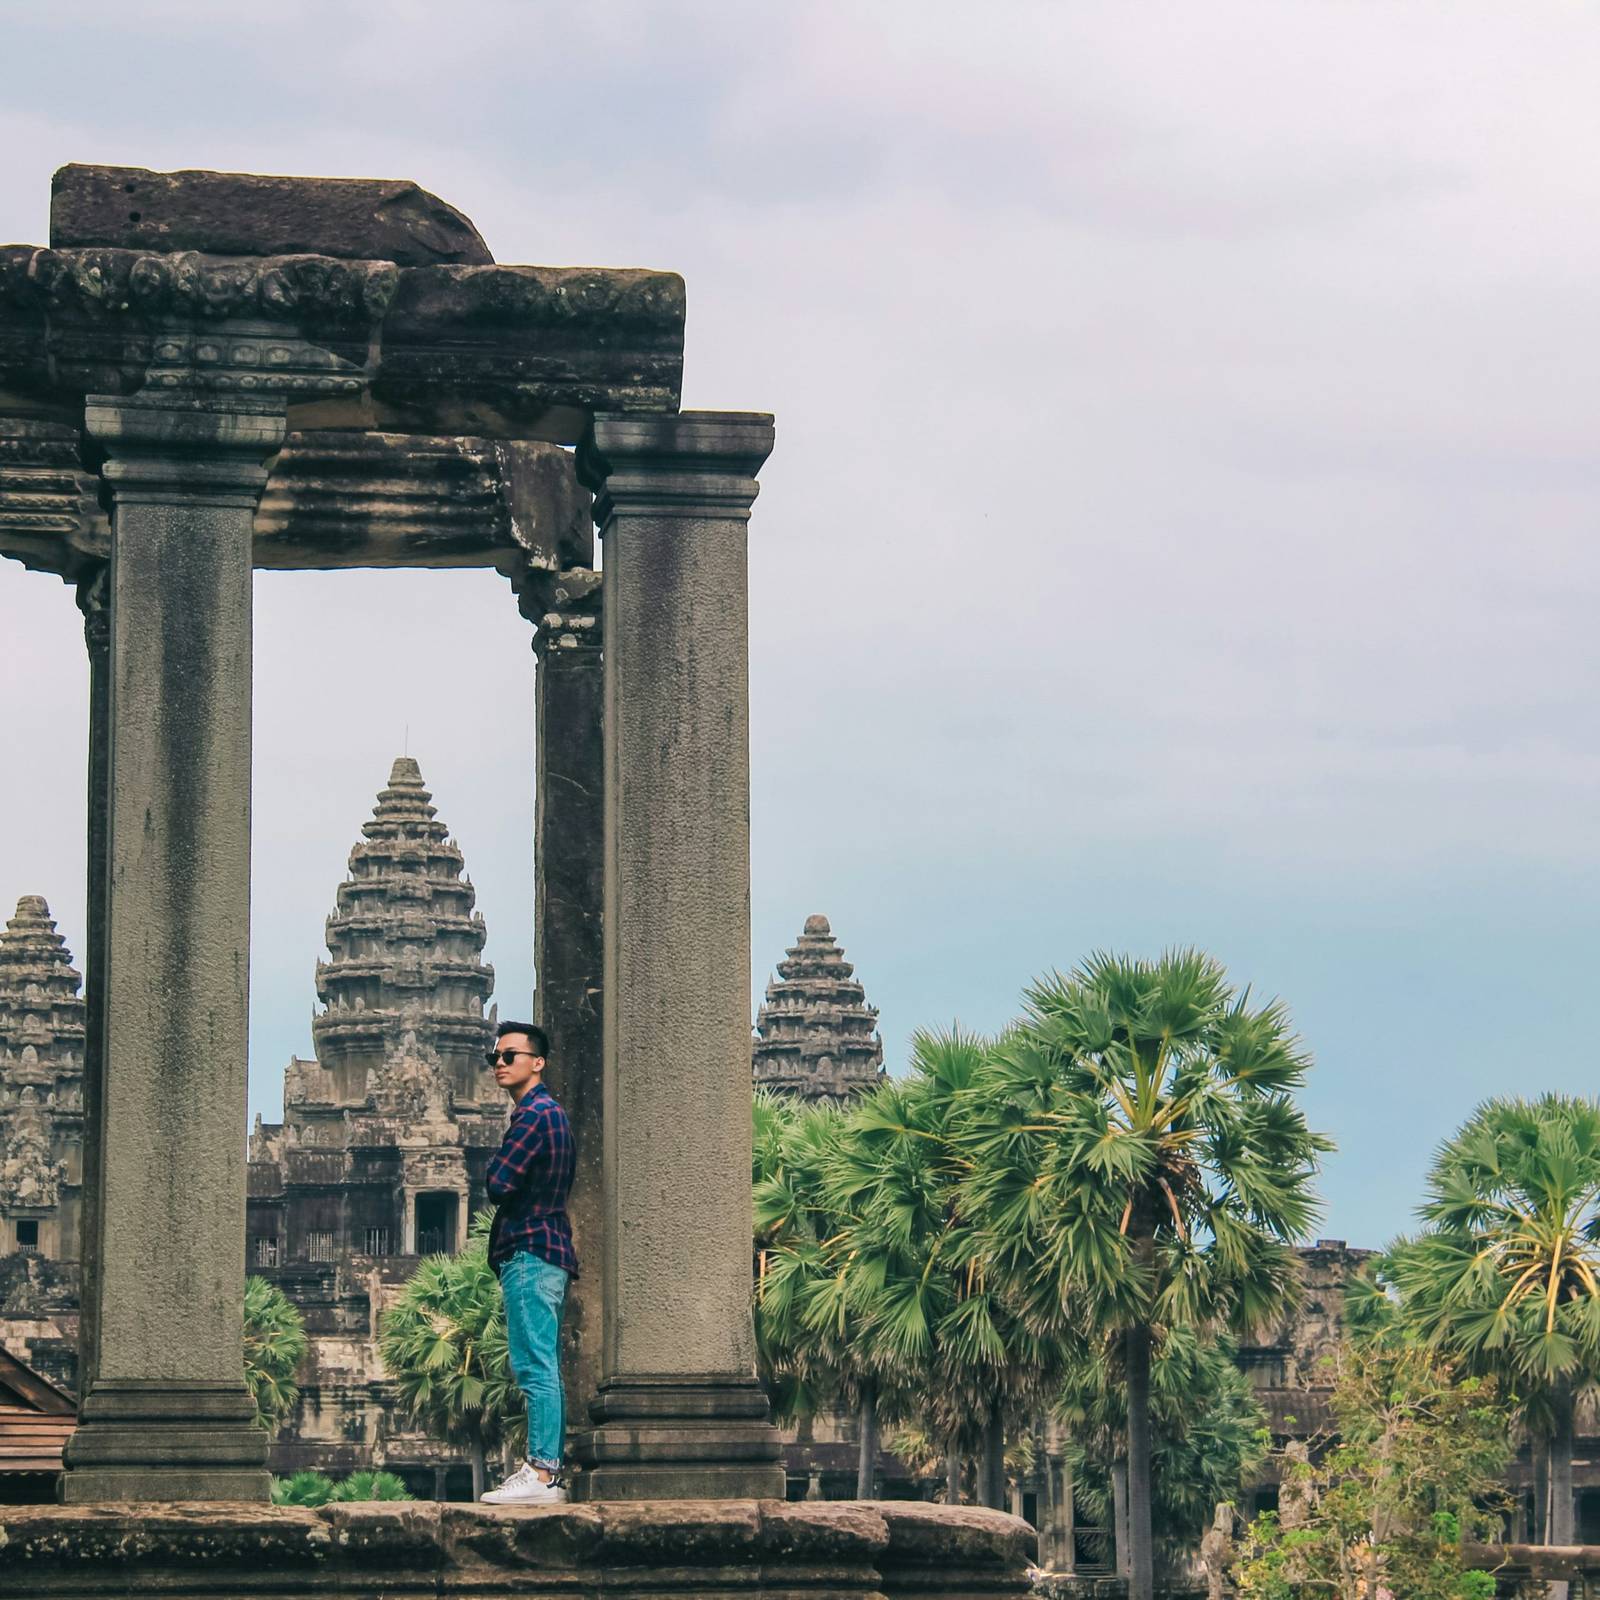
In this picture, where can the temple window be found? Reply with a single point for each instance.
(436, 1224)
(27, 1233)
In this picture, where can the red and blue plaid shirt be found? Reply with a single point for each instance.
(529, 1179)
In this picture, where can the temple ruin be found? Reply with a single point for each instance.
(204, 373)
(816, 1038)
(41, 1087)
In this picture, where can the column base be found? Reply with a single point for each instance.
(165, 1439)
(679, 1437)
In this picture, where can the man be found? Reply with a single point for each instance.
(530, 1247)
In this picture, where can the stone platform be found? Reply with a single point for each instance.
(756, 1550)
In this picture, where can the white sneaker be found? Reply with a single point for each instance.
(526, 1488)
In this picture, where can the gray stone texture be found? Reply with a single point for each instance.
(679, 1411)
(482, 351)
(568, 951)
(167, 1411)
(249, 214)
(753, 1550)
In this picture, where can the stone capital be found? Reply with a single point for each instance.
(206, 449)
(693, 464)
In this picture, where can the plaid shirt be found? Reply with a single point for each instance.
(529, 1178)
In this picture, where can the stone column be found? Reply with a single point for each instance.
(94, 600)
(569, 881)
(680, 1413)
(168, 1417)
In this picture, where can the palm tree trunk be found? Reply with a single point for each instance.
(1560, 1521)
(952, 1473)
(867, 1459)
(1119, 1516)
(480, 1470)
(992, 1491)
(1141, 1556)
(1539, 1449)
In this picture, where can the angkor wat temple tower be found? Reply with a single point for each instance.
(816, 1037)
(386, 1133)
(387, 1130)
(41, 1086)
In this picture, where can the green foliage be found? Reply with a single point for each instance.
(1136, 1154)
(1209, 1433)
(444, 1344)
(369, 1485)
(305, 1488)
(916, 1278)
(802, 1362)
(1136, 1165)
(1416, 1469)
(1507, 1270)
(274, 1347)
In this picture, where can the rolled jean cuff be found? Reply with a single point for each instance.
(544, 1466)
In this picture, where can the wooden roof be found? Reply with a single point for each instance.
(36, 1418)
(31, 1441)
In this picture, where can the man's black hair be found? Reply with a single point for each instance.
(537, 1037)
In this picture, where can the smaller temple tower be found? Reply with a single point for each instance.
(816, 1038)
(41, 1087)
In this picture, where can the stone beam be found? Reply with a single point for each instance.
(398, 500)
(247, 214)
(333, 500)
(502, 352)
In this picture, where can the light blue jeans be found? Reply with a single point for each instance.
(535, 1295)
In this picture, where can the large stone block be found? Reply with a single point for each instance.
(251, 214)
(755, 1550)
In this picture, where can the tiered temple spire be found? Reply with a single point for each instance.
(816, 1036)
(41, 1085)
(405, 990)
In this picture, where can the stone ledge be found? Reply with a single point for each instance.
(760, 1550)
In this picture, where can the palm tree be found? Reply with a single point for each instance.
(911, 1278)
(1507, 1269)
(274, 1347)
(1138, 1164)
(812, 1345)
(443, 1343)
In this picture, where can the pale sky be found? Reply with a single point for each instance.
(1181, 527)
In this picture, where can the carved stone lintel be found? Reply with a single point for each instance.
(50, 518)
(485, 351)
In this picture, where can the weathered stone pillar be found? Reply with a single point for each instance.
(94, 600)
(569, 883)
(167, 1416)
(680, 1413)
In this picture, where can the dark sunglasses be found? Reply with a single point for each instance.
(504, 1058)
